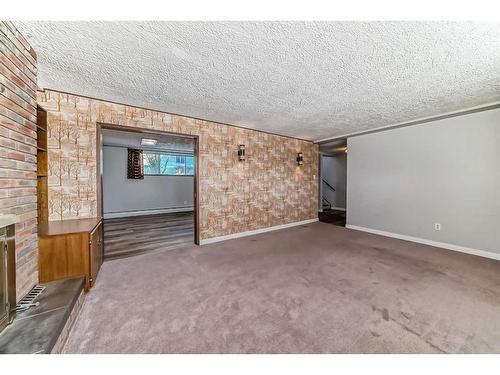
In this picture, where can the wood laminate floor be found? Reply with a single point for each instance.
(124, 237)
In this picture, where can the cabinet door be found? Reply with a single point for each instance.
(62, 256)
(95, 252)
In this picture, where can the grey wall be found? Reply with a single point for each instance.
(333, 171)
(154, 192)
(447, 171)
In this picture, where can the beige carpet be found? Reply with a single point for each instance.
(311, 289)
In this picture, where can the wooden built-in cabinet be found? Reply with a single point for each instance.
(70, 248)
(65, 248)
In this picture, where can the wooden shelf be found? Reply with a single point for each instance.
(42, 166)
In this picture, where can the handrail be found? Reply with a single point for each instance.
(327, 201)
(327, 184)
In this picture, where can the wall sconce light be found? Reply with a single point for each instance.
(300, 159)
(241, 152)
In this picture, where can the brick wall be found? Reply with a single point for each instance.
(18, 149)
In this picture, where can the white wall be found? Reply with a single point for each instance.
(121, 195)
(333, 171)
(448, 171)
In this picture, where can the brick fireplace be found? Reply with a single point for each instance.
(18, 175)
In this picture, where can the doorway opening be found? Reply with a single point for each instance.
(148, 187)
(333, 182)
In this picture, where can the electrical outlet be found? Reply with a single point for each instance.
(437, 226)
(185, 202)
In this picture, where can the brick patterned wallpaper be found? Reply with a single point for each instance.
(267, 189)
(18, 149)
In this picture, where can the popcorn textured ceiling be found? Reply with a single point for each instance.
(310, 80)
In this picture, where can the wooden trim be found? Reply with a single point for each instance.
(98, 169)
(132, 129)
(177, 114)
(135, 129)
(196, 180)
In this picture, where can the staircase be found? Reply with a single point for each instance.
(325, 203)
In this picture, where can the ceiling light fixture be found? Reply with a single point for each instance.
(148, 142)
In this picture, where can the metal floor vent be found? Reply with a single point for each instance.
(27, 301)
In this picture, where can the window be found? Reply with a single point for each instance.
(168, 164)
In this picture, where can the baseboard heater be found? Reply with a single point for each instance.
(114, 215)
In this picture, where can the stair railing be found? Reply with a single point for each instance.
(327, 184)
(328, 204)
(323, 198)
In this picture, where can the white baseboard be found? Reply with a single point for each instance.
(444, 245)
(116, 215)
(256, 231)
